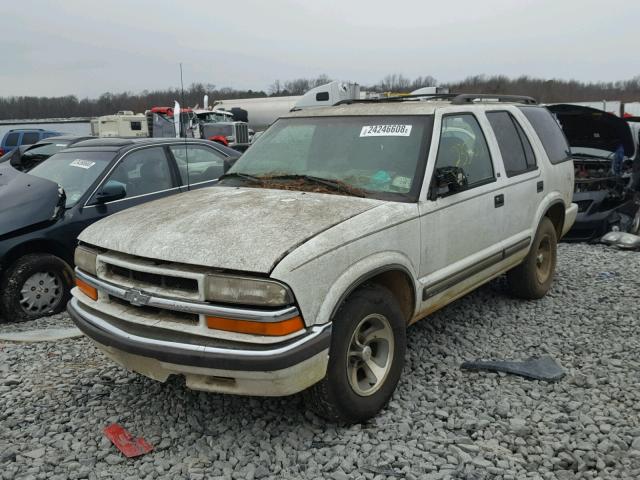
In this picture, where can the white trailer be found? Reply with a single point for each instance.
(259, 113)
(122, 124)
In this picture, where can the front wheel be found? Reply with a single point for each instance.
(366, 357)
(34, 286)
(533, 277)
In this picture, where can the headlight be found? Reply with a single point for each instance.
(246, 291)
(85, 259)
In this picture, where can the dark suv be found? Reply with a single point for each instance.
(43, 211)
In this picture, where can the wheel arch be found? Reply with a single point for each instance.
(556, 213)
(36, 246)
(396, 278)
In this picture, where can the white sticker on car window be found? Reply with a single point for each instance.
(61, 144)
(86, 164)
(401, 182)
(385, 131)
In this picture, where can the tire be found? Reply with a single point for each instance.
(347, 393)
(532, 279)
(49, 277)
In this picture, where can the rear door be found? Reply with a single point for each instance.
(199, 165)
(522, 183)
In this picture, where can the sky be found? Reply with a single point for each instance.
(86, 48)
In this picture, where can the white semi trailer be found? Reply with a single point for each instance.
(259, 113)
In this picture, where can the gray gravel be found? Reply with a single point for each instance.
(443, 422)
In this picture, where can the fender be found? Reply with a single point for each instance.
(551, 199)
(358, 273)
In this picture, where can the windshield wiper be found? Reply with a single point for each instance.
(336, 185)
(244, 176)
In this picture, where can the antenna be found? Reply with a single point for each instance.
(186, 152)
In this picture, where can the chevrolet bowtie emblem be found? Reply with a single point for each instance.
(136, 297)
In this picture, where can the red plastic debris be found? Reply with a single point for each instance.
(125, 442)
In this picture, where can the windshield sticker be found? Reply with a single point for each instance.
(61, 144)
(385, 131)
(403, 183)
(86, 164)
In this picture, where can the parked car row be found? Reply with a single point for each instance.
(45, 206)
(303, 264)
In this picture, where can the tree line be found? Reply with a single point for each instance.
(544, 90)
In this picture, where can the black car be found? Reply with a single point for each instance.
(26, 157)
(604, 152)
(43, 211)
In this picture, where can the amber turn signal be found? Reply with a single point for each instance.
(271, 329)
(87, 289)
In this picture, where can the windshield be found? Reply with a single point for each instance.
(74, 171)
(214, 117)
(45, 150)
(380, 156)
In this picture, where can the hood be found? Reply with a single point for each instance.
(243, 229)
(587, 127)
(26, 200)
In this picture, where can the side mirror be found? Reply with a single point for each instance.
(447, 181)
(112, 190)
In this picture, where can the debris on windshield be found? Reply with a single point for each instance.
(129, 445)
(541, 368)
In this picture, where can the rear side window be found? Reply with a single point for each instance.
(515, 148)
(29, 138)
(549, 132)
(12, 139)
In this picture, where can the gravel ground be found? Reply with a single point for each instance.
(441, 423)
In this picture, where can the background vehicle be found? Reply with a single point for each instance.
(17, 137)
(328, 237)
(603, 150)
(26, 157)
(124, 124)
(215, 125)
(43, 211)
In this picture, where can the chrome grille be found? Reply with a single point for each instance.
(117, 272)
(242, 133)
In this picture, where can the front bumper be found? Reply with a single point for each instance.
(248, 369)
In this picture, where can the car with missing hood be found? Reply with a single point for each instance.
(42, 211)
(341, 226)
(604, 153)
(26, 157)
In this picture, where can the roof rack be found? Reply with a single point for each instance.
(400, 98)
(455, 98)
(473, 97)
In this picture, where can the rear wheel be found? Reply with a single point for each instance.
(34, 286)
(366, 357)
(533, 277)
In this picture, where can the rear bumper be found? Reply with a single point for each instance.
(271, 370)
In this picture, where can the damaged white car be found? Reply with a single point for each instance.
(339, 228)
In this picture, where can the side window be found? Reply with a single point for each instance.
(463, 145)
(197, 164)
(29, 138)
(550, 134)
(515, 148)
(143, 171)
(12, 139)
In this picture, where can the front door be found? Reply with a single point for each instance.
(146, 175)
(460, 225)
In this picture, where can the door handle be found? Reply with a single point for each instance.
(498, 200)
(540, 186)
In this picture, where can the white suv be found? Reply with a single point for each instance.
(339, 228)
